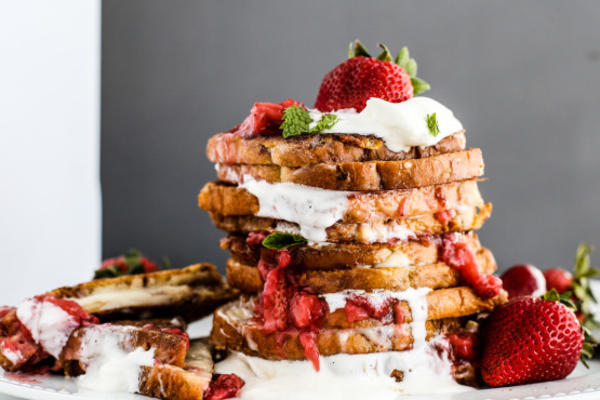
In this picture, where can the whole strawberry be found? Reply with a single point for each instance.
(356, 80)
(531, 340)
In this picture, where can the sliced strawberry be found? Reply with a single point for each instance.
(399, 316)
(256, 238)
(311, 351)
(379, 311)
(148, 265)
(463, 345)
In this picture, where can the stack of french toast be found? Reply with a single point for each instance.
(342, 244)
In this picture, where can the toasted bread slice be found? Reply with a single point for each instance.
(234, 328)
(299, 151)
(191, 292)
(82, 346)
(466, 219)
(421, 251)
(362, 207)
(247, 279)
(368, 175)
(170, 382)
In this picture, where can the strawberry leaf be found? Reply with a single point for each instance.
(356, 49)
(281, 240)
(385, 55)
(419, 85)
(402, 57)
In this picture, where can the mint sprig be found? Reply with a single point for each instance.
(282, 240)
(297, 120)
(432, 124)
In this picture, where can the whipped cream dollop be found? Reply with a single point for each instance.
(400, 125)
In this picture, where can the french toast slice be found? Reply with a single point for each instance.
(420, 251)
(300, 151)
(465, 219)
(362, 207)
(170, 382)
(169, 348)
(192, 293)
(368, 175)
(247, 278)
(235, 328)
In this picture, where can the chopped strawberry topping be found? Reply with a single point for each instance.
(463, 345)
(445, 216)
(224, 386)
(17, 345)
(460, 256)
(256, 238)
(399, 317)
(381, 311)
(354, 312)
(275, 301)
(72, 308)
(265, 118)
(311, 351)
(307, 310)
(148, 265)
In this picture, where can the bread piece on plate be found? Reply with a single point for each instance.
(191, 292)
(300, 151)
(362, 207)
(234, 328)
(247, 279)
(465, 219)
(420, 251)
(170, 382)
(368, 175)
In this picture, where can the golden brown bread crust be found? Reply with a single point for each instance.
(247, 279)
(299, 151)
(190, 292)
(168, 348)
(421, 251)
(362, 207)
(466, 219)
(369, 175)
(233, 331)
(169, 382)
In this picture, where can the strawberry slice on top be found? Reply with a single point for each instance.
(356, 80)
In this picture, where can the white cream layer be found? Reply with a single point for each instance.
(400, 125)
(313, 209)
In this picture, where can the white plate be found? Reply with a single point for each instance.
(582, 384)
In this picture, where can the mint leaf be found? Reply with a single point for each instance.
(295, 121)
(432, 124)
(281, 240)
(327, 121)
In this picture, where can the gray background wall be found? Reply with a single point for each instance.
(523, 77)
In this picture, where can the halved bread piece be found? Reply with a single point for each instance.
(84, 345)
(235, 328)
(191, 292)
(466, 219)
(247, 279)
(361, 207)
(304, 150)
(368, 175)
(170, 382)
(420, 251)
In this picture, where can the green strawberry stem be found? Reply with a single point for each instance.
(356, 49)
